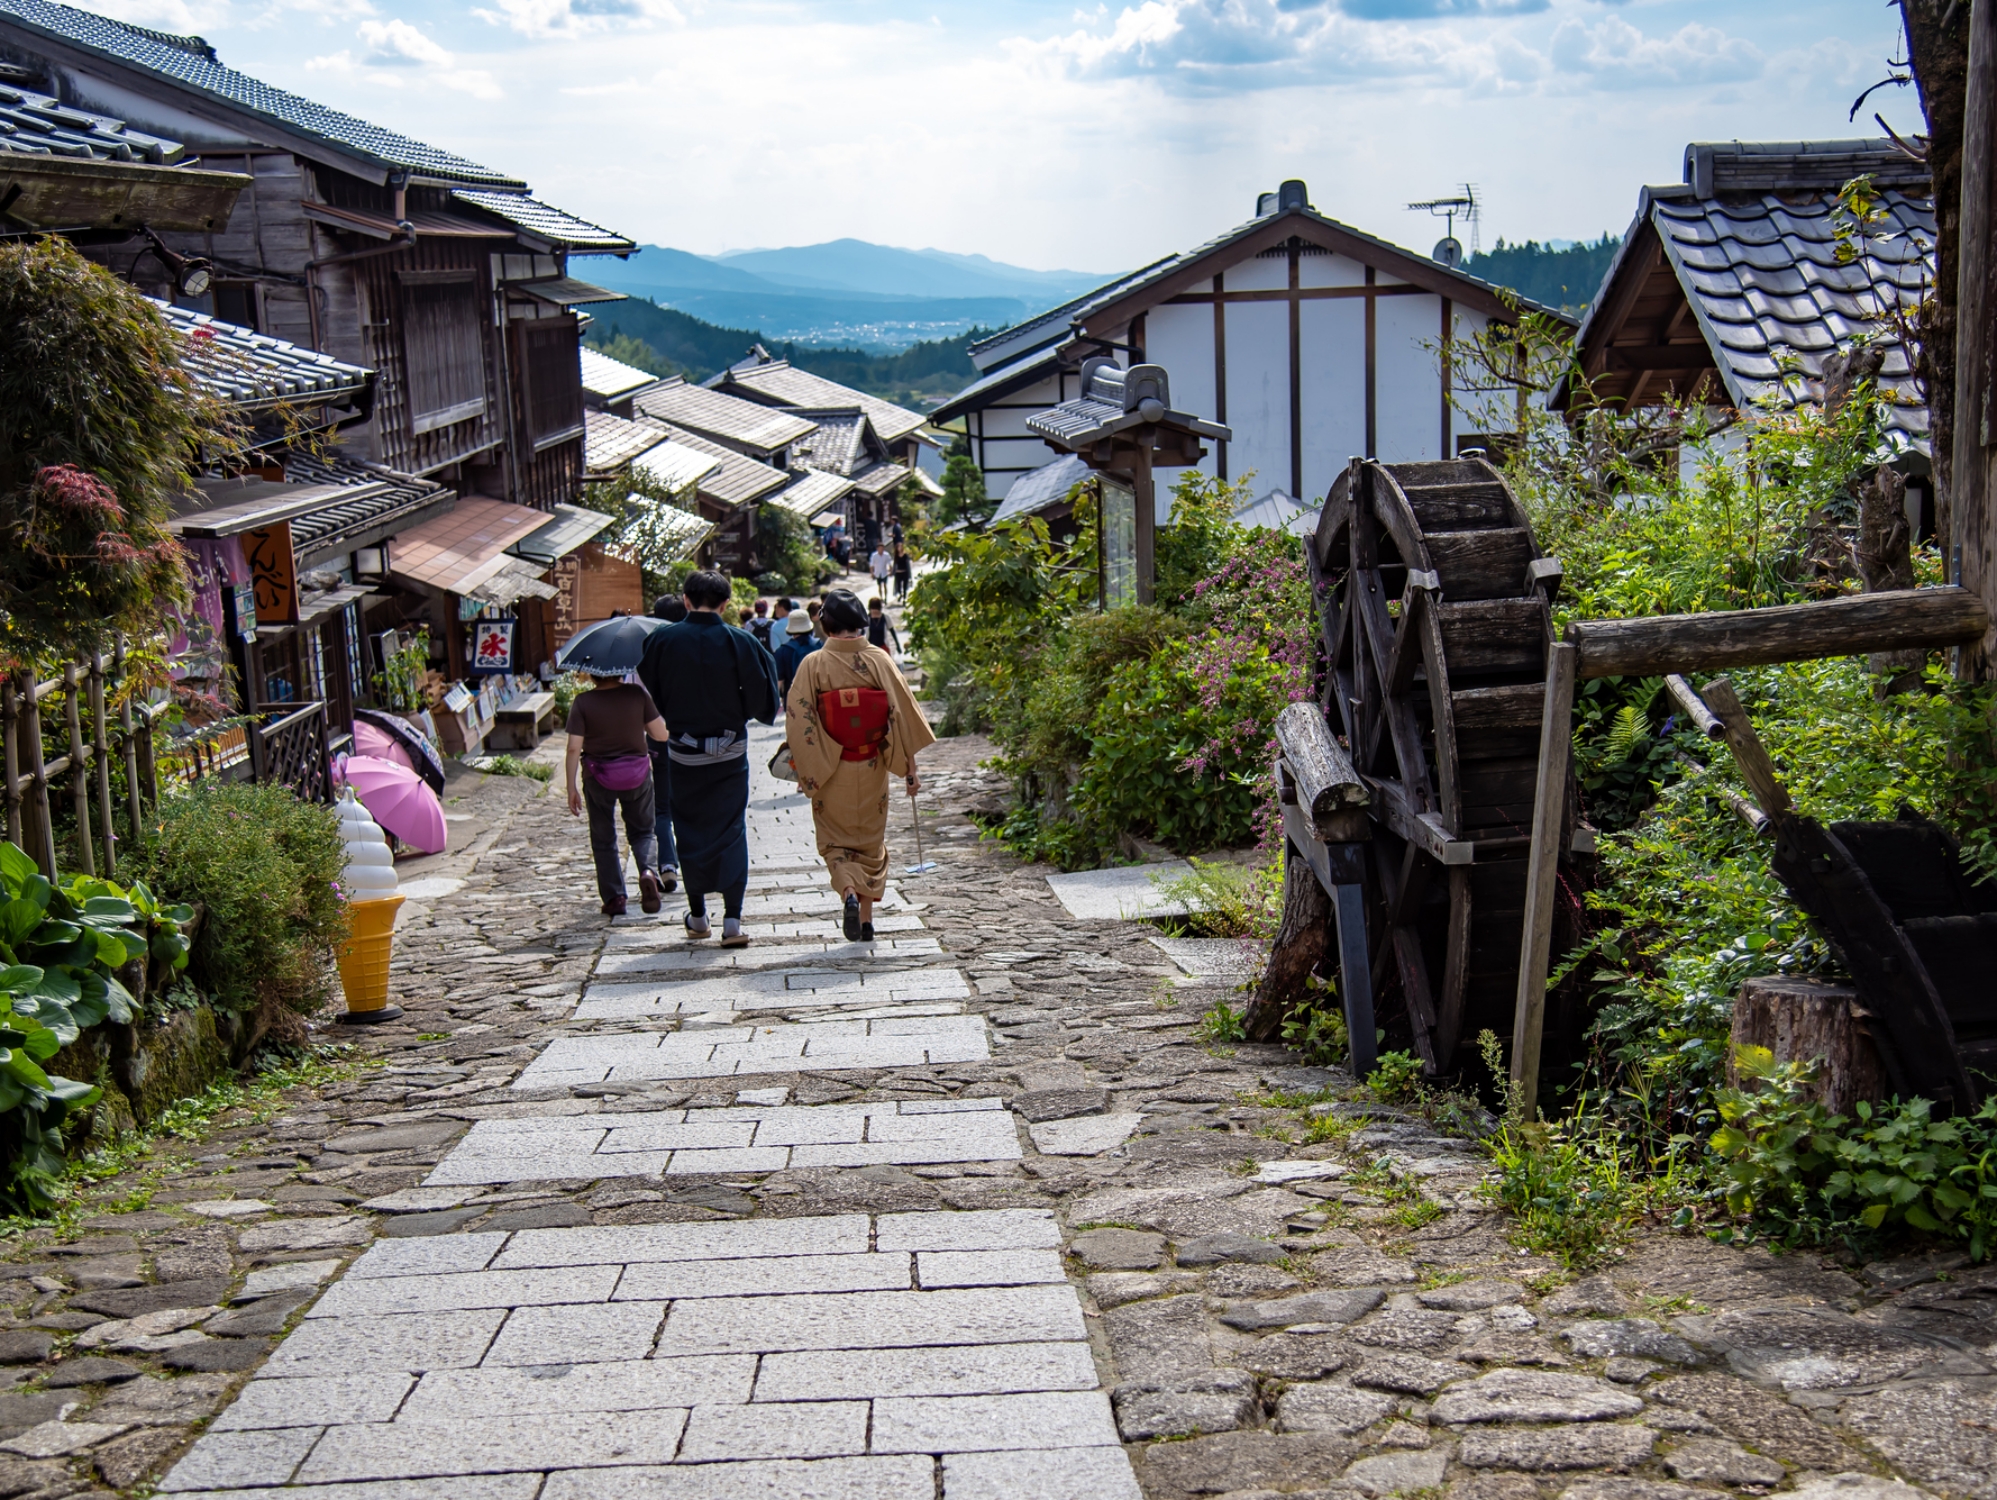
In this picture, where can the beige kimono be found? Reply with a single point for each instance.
(849, 798)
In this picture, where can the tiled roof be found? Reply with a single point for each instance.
(726, 418)
(191, 64)
(1009, 343)
(1112, 401)
(839, 445)
(812, 493)
(253, 371)
(737, 479)
(610, 379)
(1038, 488)
(38, 125)
(1006, 378)
(571, 527)
(1767, 289)
(384, 502)
(458, 552)
(609, 443)
(778, 382)
(881, 479)
(674, 466)
(545, 222)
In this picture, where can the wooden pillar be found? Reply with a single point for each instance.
(1147, 523)
(79, 768)
(10, 733)
(100, 755)
(1556, 728)
(135, 807)
(1972, 526)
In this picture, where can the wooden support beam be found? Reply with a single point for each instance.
(1329, 789)
(1898, 620)
(1556, 730)
(1748, 751)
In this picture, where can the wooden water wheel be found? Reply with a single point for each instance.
(1434, 602)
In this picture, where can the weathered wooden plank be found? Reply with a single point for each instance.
(1549, 806)
(1329, 788)
(1480, 564)
(1694, 707)
(1485, 710)
(1480, 505)
(1863, 623)
(1748, 752)
(1494, 635)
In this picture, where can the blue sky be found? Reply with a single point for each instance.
(1092, 137)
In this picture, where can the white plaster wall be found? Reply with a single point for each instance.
(1332, 366)
(1257, 274)
(1329, 270)
(1408, 381)
(1258, 391)
(1181, 339)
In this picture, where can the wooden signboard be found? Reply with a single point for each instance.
(274, 572)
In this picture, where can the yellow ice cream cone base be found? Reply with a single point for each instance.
(364, 963)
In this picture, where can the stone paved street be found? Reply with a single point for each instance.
(966, 1213)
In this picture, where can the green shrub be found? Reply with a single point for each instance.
(1799, 1173)
(512, 765)
(1315, 1028)
(266, 867)
(1226, 901)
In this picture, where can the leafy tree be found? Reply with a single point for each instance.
(963, 496)
(1566, 278)
(784, 545)
(100, 429)
(636, 353)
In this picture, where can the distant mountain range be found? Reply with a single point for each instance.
(845, 292)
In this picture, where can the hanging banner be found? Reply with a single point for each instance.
(492, 646)
(197, 648)
(274, 571)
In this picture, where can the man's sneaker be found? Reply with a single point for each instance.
(697, 927)
(852, 919)
(732, 935)
(648, 893)
(614, 907)
(669, 880)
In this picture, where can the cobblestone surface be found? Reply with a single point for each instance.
(967, 1212)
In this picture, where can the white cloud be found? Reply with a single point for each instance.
(396, 50)
(567, 18)
(1615, 53)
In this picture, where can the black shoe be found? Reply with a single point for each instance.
(648, 893)
(866, 932)
(669, 880)
(852, 919)
(614, 907)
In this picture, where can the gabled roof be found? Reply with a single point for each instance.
(727, 419)
(254, 372)
(812, 493)
(459, 551)
(377, 502)
(882, 478)
(610, 379)
(543, 222)
(1051, 326)
(776, 382)
(845, 442)
(610, 443)
(737, 479)
(1028, 369)
(41, 125)
(1737, 271)
(1114, 400)
(191, 65)
(570, 528)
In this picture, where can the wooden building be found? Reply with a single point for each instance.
(1310, 340)
(442, 275)
(1731, 287)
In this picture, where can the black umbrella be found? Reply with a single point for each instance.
(422, 754)
(611, 648)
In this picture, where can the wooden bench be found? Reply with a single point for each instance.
(519, 725)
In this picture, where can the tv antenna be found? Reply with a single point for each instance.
(1449, 250)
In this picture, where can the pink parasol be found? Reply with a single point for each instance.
(379, 744)
(399, 800)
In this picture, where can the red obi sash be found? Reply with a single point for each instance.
(857, 720)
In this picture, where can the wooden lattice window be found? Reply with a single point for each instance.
(443, 348)
(551, 379)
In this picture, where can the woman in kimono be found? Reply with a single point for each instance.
(853, 724)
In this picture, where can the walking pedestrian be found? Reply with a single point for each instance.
(880, 563)
(853, 723)
(904, 572)
(710, 679)
(608, 729)
(758, 624)
(798, 644)
(779, 614)
(811, 612)
(672, 609)
(880, 629)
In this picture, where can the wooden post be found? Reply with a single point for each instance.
(42, 833)
(1147, 524)
(132, 803)
(10, 728)
(1355, 971)
(1756, 769)
(1695, 708)
(1970, 518)
(100, 753)
(79, 768)
(1556, 732)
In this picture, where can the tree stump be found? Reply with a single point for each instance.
(1808, 1020)
(1302, 941)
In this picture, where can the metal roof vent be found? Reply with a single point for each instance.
(1292, 194)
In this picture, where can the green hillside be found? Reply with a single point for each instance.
(666, 341)
(1565, 279)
